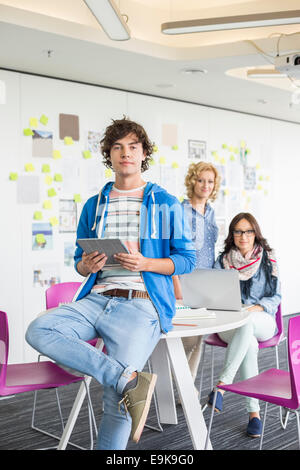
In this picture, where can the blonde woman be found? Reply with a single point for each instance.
(202, 185)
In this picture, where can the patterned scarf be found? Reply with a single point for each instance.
(249, 265)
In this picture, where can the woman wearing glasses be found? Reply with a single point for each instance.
(247, 251)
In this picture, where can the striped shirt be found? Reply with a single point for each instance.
(123, 222)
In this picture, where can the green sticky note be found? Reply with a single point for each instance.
(38, 215)
(68, 141)
(77, 198)
(33, 122)
(53, 221)
(52, 192)
(175, 165)
(174, 147)
(45, 168)
(108, 173)
(27, 132)
(152, 162)
(29, 167)
(44, 119)
(13, 176)
(40, 238)
(155, 149)
(48, 180)
(58, 177)
(232, 158)
(47, 205)
(56, 154)
(86, 154)
(224, 146)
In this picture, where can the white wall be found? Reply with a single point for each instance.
(273, 146)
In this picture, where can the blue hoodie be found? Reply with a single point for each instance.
(164, 233)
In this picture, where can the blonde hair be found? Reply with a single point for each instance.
(193, 174)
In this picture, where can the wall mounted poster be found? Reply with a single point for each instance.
(42, 144)
(197, 149)
(69, 126)
(42, 236)
(249, 177)
(67, 215)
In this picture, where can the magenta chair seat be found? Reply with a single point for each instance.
(28, 377)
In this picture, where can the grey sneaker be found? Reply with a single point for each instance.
(137, 401)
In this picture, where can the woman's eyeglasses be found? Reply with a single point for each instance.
(239, 233)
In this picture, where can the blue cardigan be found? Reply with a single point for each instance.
(164, 233)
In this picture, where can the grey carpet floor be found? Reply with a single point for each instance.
(228, 432)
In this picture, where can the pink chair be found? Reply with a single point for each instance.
(21, 378)
(215, 340)
(275, 386)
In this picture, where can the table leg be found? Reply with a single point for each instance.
(164, 385)
(187, 393)
(76, 408)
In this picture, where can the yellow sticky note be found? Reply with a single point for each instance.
(259, 187)
(38, 215)
(261, 178)
(56, 154)
(51, 192)
(27, 132)
(236, 150)
(226, 192)
(162, 160)
(58, 177)
(77, 198)
(29, 167)
(266, 192)
(68, 141)
(174, 147)
(44, 119)
(40, 238)
(48, 180)
(155, 149)
(257, 166)
(152, 162)
(223, 161)
(47, 205)
(216, 157)
(224, 146)
(33, 122)
(232, 158)
(86, 154)
(214, 153)
(230, 148)
(108, 173)
(53, 221)
(45, 168)
(13, 176)
(181, 199)
(243, 144)
(175, 165)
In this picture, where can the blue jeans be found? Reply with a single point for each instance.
(130, 330)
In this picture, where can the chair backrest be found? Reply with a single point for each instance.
(294, 359)
(4, 345)
(60, 293)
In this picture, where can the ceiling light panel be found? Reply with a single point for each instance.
(232, 22)
(108, 15)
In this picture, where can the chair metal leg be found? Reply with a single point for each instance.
(298, 425)
(212, 368)
(211, 419)
(263, 426)
(283, 416)
(159, 428)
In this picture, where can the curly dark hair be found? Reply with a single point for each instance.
(121, 128)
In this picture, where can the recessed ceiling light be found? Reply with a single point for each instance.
(193, 71)
(262, 101)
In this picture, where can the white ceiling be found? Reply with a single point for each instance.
(151, 62)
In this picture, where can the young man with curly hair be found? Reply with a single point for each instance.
(128, 307)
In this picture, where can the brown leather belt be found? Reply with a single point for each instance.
(125, 293)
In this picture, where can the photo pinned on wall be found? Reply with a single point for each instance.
(42, 236)
(28, 189)
(69, 126)
(69, 250)
(42, 144)
(197, 150)
(93, 142)
(249, 178)
(67, 216)
(46, 275)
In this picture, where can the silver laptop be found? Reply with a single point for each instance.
(214, 289)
